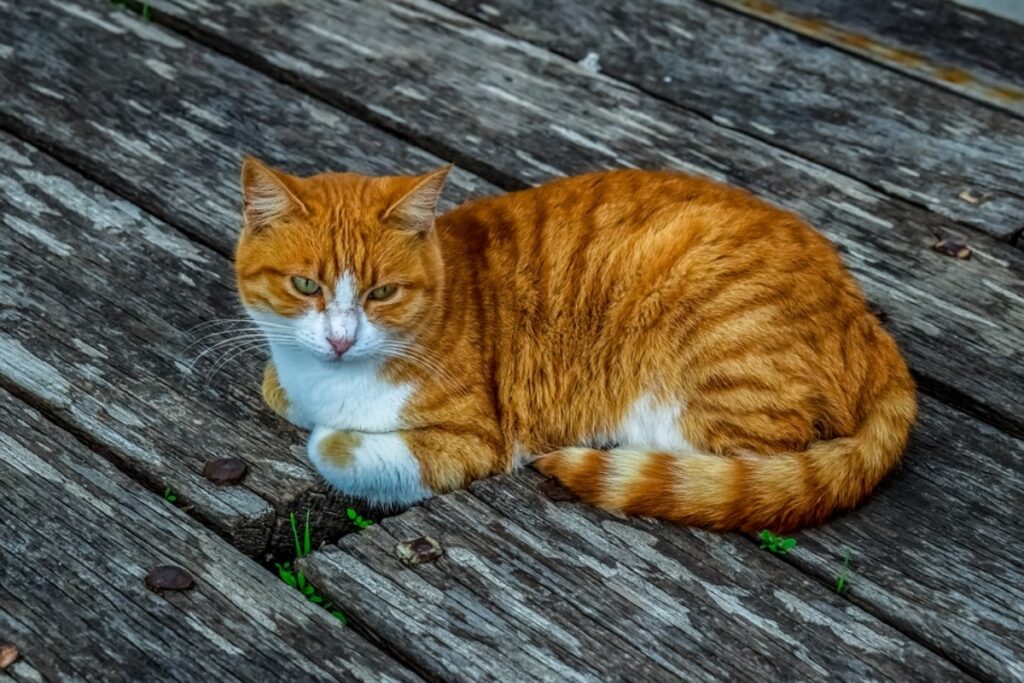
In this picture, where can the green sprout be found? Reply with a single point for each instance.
(144, 10)
(780, 545)
(842, 584)
(169, 495)
(357, 519)
(296, 579)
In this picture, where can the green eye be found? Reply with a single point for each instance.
(383, 292)
(305, 285)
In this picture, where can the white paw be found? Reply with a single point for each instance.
(378, 468)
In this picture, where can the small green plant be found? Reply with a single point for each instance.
(842, 584)
(297, 579)
(780, 545)
(169, 495)
(144, 10)
(357, 519)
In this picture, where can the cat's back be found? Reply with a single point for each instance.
(627, 221)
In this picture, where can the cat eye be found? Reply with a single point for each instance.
(383, 292)
(305, 285)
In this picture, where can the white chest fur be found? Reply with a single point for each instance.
(349, 396)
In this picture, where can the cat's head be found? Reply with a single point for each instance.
(343, 266)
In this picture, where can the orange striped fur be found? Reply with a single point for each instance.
(542, 318)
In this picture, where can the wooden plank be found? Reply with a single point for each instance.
(936, 552)
(967, 51)
(525, 114)
(168, 126)
(95, 379)
(78, 540)
(560, 591)
(894, 133)
(97, 301)
(541, 584)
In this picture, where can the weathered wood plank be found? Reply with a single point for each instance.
(97, 300)
(934, 554)
(525, 114)
(891, 132)
(967, 51)
(152, 302)
(563, 592)
(937, 551)
(78, 539)
(167, 128)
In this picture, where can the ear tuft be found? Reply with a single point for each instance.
(266, 195)
(416, 209)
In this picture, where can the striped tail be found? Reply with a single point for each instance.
(749, 493)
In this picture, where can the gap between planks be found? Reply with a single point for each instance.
(714, 119)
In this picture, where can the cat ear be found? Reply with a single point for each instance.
(416, 209)
(266, 195)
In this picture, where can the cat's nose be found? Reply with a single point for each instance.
(340, 344)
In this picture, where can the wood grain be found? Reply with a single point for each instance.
(559, 591)
(967, 51)
(167, 127)
(520, 114)
(896, 134)
(936, 552)
(933, 554)
(78, 539)
(98, 299)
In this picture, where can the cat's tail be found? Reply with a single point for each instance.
(780, 492)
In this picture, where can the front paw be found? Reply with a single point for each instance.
(379, 467)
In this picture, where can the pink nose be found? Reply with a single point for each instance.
(340, 344)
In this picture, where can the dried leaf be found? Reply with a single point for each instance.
(8, 655)
(419, 550)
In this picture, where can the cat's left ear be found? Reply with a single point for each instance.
(416, 209)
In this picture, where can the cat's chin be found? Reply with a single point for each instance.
(348, 359)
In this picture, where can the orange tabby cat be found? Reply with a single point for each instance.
(667, 345)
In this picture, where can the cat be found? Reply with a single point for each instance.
(665, 345)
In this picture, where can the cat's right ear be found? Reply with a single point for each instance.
(267, 195)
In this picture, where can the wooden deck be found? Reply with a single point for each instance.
(890, 127)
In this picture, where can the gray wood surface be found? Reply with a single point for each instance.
(166, 123)
(97, 294)
(525, 114)
(97, 301)
(934, 554)
(177, 150)
(78, 539)
(902, 136)
(967, 51)
(937, 551)
(559, 591)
